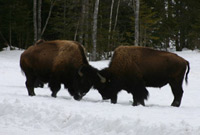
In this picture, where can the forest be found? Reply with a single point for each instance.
(101, 25)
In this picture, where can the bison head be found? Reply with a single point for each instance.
(88, 76)
(104, 84)
(84, 80)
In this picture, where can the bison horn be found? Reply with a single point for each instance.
(103, 79)
(80, 73)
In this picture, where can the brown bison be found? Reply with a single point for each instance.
(134, 68)
(57, 62)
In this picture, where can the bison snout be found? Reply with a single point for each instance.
(78, 97)
(83, 94)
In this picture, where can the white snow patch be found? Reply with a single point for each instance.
(42, 114)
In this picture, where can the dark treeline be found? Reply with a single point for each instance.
(162, 23)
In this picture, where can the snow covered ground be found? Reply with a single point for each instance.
(42, 114)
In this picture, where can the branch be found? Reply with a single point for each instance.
(3, 38)
(49, 15)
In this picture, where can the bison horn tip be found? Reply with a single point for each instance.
(80, 73)
(103, 79)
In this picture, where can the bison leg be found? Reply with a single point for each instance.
(177, 91)
(30, 86)
(55, 87)
(140, 93)
(136, 102)
(38, 83)
(114, 98)
(71, 91)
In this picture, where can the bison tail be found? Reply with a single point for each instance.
(188, 70)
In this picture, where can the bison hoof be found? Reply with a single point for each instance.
(139, 103)
(32, 94)
(78, 98)
(113, 101)
(54, 95)
(176, 104)
(135, 104)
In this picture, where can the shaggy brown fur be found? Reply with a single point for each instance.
(151, 64)
(53, 62)
(133, 68)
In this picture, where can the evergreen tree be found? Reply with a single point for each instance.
(15, 23)
(163, 23)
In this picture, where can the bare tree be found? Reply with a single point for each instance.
(115, 23)
(110, 22)
(82, 24)
(49, 15)
(35, 19)
(86, 22)
(64, 18)
(94, 30)
(116, 17)
(137, 8)
(10, 29)
(39, 19)
(76, 32)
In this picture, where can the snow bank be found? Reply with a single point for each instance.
(42, 114)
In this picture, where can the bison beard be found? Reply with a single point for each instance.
(134, 68)
(56, 62)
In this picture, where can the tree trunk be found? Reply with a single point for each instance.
(182, 26)
(82, 24)
(169, 18)
(86, 22)
(137, 22)
(39, 19)
(10, 28)
(110, 24)
(178, 34)
(49, 15)
(10, 35)
(115, 24)
(75, 34)
(4, 39)
(35, 19)
(94, 30)
(64, 18)
(116, 17)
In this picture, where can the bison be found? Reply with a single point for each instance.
(57, 62)
(135, 68)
